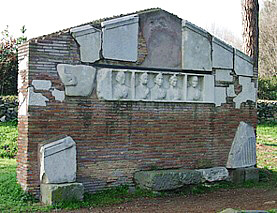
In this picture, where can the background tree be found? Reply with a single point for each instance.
(226, 35)
(9, 62)
(268, 40)
(250, 23)
(268, 51)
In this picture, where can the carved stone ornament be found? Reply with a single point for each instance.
(77, 79)
(136, 85)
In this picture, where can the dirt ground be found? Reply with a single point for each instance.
(243, 199)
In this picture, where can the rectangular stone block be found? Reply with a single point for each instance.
(167, 179)
(237, 175)
(209, 89)
(58, 161)
(196, 47)
(51, 194)
(222, 54)
(220, 95)
(223, 75)
(89, 39)
(243, 64)
(120, 38)
(252, 174)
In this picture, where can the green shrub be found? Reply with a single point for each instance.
(267, 89)
(8, 139)
(267, 111)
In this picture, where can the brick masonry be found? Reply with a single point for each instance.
(117, 138)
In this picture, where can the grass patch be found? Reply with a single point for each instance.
(267, 149)
(267, 134)
(108, 197)
(12, 197)
(8, 139)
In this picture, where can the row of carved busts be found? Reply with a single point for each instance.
(174, 87)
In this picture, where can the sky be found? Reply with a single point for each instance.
(48, 16)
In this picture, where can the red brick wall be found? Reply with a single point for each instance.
(116, 138)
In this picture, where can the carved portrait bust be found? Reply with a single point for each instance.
(143, 91)
(120, 89)
(173, 91)
(194, 90)
(158, 92)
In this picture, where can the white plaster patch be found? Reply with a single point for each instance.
(89, 39)
(120, 38)
(231, 91)
(42, 84)
(220, 95)
(58, 161)
(223, 75)
(243, 64)
(243, 150)
(19, 81)
(22, 104)
(248, 92)
(59, 95)
(222, 54)
(196, 47)
(23, 64)
(79, 80)
(36, 99)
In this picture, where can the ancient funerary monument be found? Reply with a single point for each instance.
(103, 101)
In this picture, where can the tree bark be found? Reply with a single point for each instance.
(250, 23)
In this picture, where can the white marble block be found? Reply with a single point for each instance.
(58, 161)
(196, 47)
(243, 64)
(222, 54)
(89, 39)
(243, 150)
(223, 75)
(248, 93)
(42, 84)
(77, 79)
(220, 95)
(36, 98)
(214, 174)
(120, 38)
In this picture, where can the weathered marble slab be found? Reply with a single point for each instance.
(163, 36)
(243, 64)
(223, 75)
(42, 84)
(214, 174)
(58, 161)
(248, 93)
(222, 54)
(220, 95)
(52, 194)
(77, 79)
(120, 38)
(36, 98)
(89, 39)
(243, 150)
(167, 179)
(196, 47)
(137, 85)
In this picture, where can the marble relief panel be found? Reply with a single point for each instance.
(138, 85)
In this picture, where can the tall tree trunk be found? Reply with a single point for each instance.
(250, 22)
